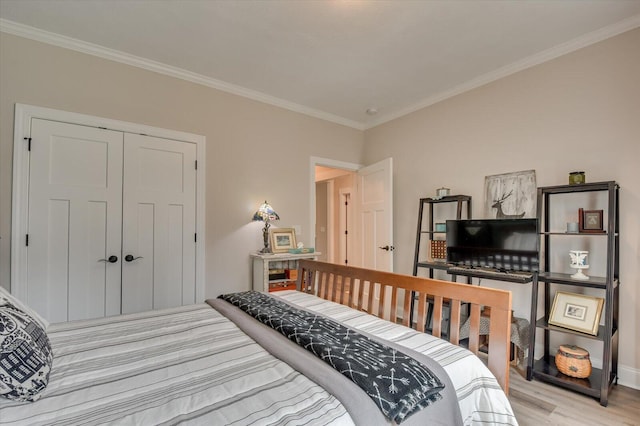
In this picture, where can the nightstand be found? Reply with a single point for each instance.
(274, 272)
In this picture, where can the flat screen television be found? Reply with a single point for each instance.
(502, 244)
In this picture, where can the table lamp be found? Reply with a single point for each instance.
(265, 214)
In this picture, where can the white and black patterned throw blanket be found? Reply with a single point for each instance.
(396, 382)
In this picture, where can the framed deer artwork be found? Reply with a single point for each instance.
(510, 195)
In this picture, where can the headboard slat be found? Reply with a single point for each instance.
(337, 283)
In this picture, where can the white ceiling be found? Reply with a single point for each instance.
(330, 59)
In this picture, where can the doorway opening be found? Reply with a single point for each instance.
(369, 220)
(334, 219)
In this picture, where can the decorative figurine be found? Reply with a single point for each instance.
(579, 262)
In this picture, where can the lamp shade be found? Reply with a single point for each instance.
(265, 213)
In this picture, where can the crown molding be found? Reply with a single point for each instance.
(531, 61)
(58, 40)
(36, 34)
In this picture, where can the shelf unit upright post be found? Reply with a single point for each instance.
(430, 233)
(600, 382)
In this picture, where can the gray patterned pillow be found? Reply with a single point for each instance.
(9, 298)
(25, 354)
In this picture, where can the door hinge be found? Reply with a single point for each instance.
(196, 164)
(28, 143)
(26, 240)
(346, 232)
(195, 237)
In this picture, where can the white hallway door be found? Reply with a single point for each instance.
(375, 194)
(97, 196)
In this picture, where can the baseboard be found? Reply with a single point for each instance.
(629, 376)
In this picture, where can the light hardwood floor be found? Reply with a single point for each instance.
(538, 403)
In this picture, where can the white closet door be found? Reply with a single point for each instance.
(75, 207)
(159, 223)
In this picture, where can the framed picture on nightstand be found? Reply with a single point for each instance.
(283, 239)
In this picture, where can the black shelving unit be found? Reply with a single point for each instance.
(601, 380)
(426, 229)
(422, 261)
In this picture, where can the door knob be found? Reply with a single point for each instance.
(130, 258)
(111, 259)
(387, 248)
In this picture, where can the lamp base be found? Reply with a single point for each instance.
(265, 237)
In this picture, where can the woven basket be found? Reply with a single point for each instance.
(573, 361)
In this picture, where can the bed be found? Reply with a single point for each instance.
(200, 364)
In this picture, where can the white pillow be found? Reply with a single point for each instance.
(4, 294)
(25, 354)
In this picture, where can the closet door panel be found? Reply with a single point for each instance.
(159, 223)
(49, 261)
(138, 291)
(96, 213)
(75, 216)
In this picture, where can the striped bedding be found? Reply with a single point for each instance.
(480, 397)
(186, 365)
(191, 365)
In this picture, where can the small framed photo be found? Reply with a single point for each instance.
(576, 312)
(590, 220)
(283, 239)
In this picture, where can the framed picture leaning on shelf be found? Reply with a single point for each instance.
(590, 221)
(283, 239)
(576, 312)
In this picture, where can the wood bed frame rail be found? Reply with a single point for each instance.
(381, 293)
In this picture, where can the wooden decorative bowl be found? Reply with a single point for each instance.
(573, 361)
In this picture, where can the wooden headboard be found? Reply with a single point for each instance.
(377, 293)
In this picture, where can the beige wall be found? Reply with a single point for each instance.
(254, 151)
(578, 112)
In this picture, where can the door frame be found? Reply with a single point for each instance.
(326, 162)
(346, 219)
(328, 203)
(331, 253)
(20, 192)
